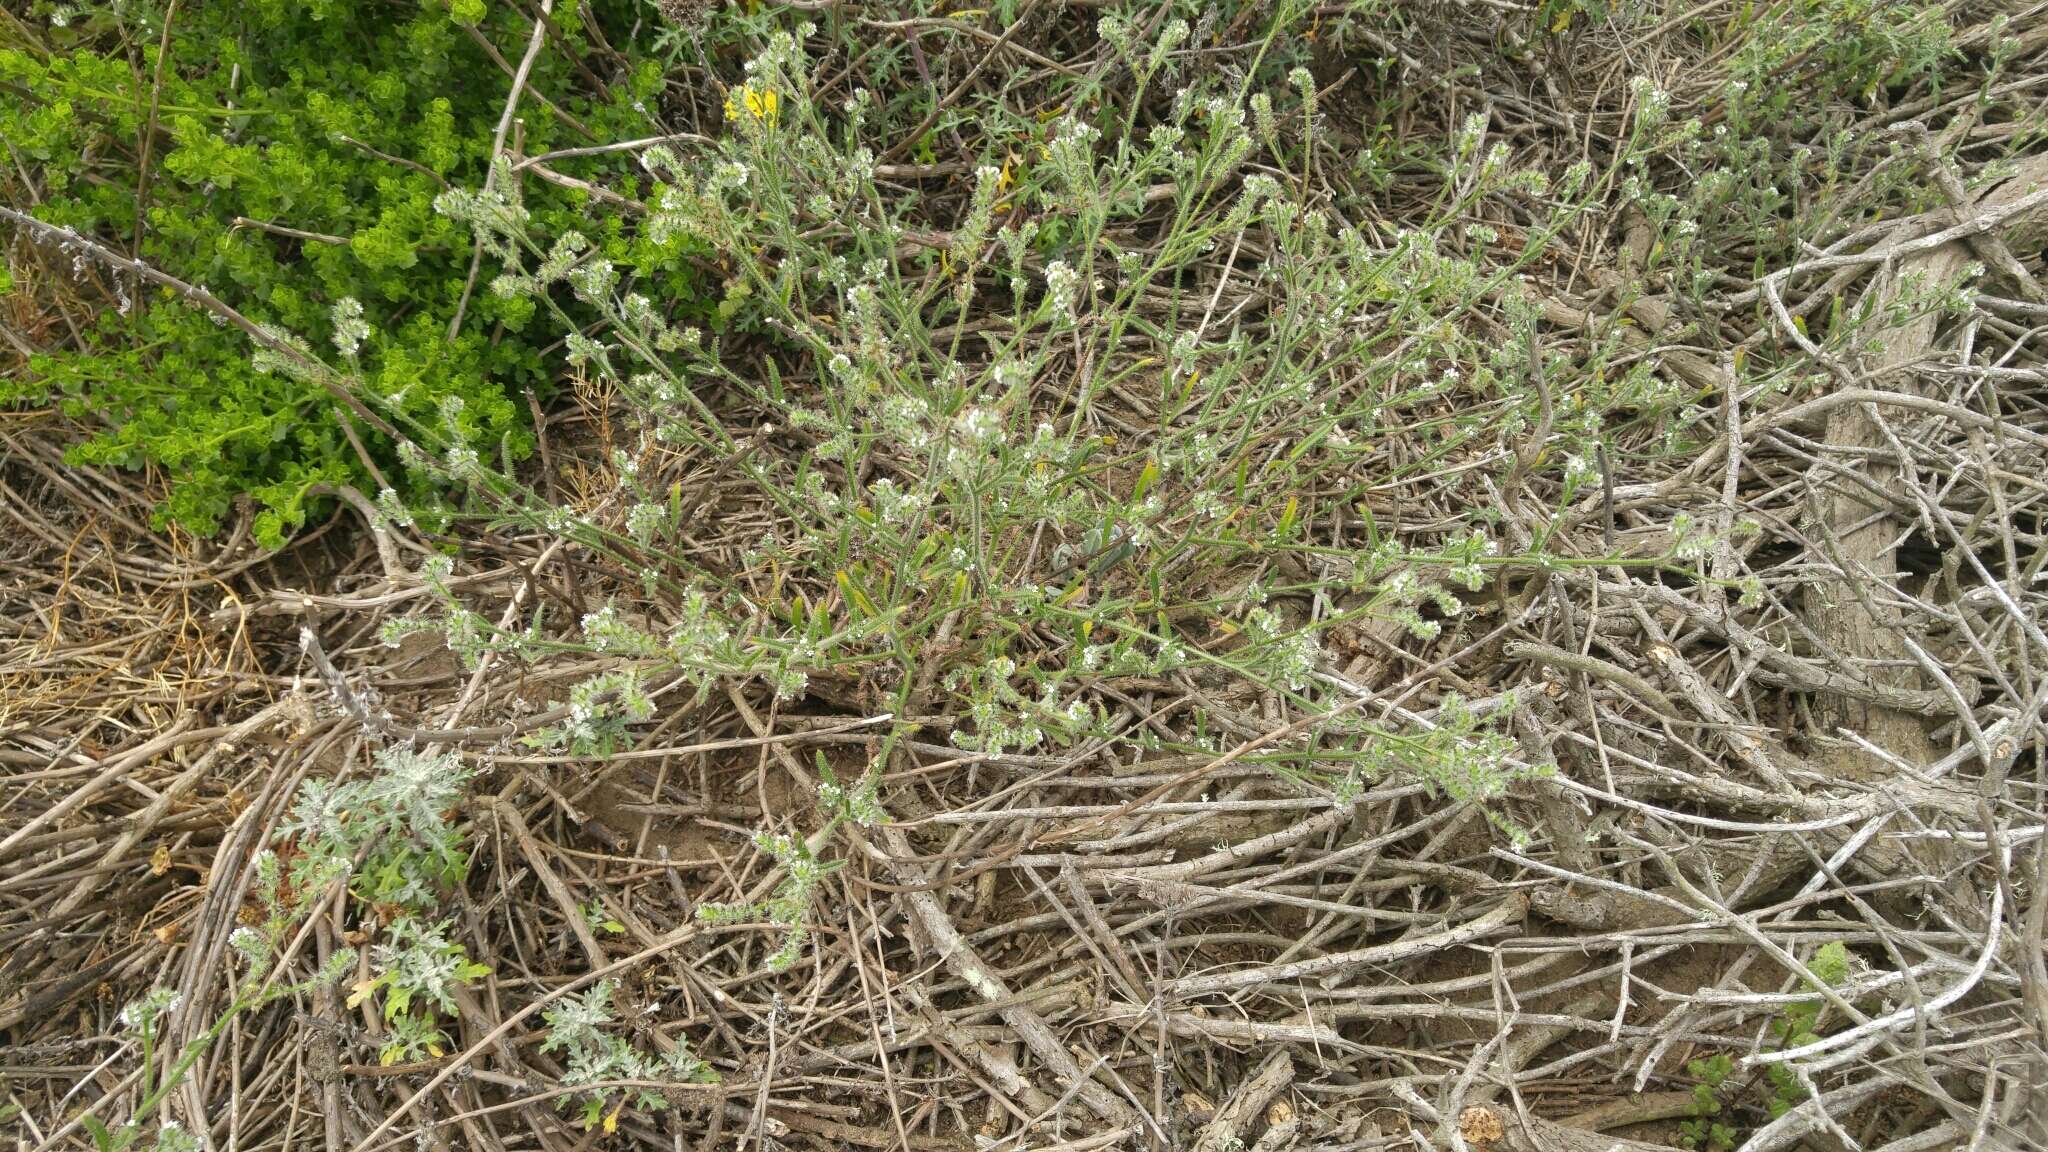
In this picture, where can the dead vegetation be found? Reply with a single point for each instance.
(1829, 735)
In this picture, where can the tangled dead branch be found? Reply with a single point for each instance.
(1777, 854)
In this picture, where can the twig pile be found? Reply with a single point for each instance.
(1097, 949)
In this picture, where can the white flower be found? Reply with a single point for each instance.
(729, 174)
(981, 427)
(349, 329)
(1061, 281)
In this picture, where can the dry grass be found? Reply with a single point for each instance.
(1097, 947)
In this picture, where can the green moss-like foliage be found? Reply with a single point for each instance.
(274, 111)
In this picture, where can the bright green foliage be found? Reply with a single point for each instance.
(1795, 1026)
(258, 107)
(1846, 48)
(1703, 1131)
(598, 920)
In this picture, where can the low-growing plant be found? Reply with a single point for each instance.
(1113, 411)
(788, 907)
(1843, 48)
(1704, 1130)
(607, 1066)
(287, 156)
(1795, 1026)
(416, 971)
(389, 833)
(947, 461)
(1710, 1127)
(390, 840)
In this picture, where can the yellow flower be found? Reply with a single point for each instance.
(764, 105)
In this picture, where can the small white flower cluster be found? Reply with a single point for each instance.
(254, 950)
(1653, 104)
(142, 1015)
(1226, 142)
(461, 463)
(1290, 656)
(895, 506)
(727, 176)
(972, 234)
(172, 1137)
(1006, 719)
(1256, 190)
(499, 220)
(870, 325)
(1062, 285)
(1166, 154)
(791, 675)
(1263, 120)
(594, 280)
(794, 857)
(788, 907)
(1466, 567)
(607, 630)
(1117, 33)
(1165, 42)
(782, 58)
(350, 330)
(1452, 752)
(292, 358)
(1127, 657)
(562, 257)
(1071, 157)
(1691, 540)
(861, 804)
(1015, 240)
(702, 642)
(1715, 185)
(1472, 763)
(1470, 133)
(582, 352)
(677, 212)
(645, 520)
(812, 489)
(907, 422)
(1044, 462)
(979, 426)
(1399, 600)
(600, 707)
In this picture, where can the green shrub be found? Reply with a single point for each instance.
(271, 115)
(1042, 448)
